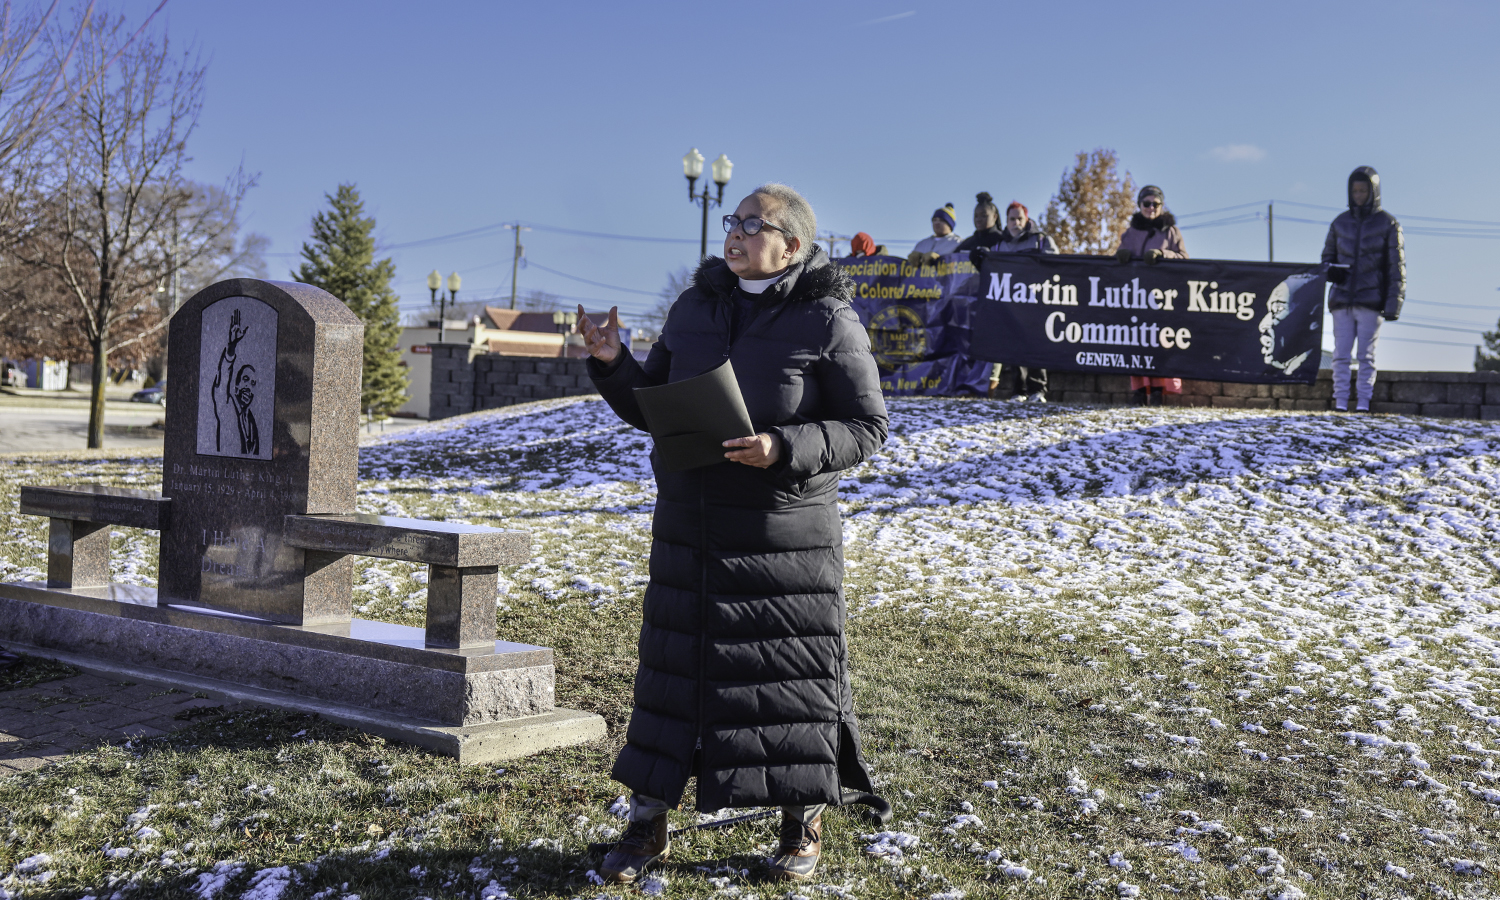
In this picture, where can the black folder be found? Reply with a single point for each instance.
(691, 419)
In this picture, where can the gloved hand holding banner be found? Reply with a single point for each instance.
(1215, 320)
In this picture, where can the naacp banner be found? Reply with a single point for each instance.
(1216, 320)
(917, 317)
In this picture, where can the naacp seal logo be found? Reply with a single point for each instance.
(897, 337)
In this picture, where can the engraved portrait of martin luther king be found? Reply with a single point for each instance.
(236, 378)
(239, 393)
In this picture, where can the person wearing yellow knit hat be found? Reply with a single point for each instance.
(942, 242)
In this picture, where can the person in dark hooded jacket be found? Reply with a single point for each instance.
(986, 225)
(1366, 258)
(1021, 235)
(743, 677)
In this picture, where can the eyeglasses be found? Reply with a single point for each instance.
(750, 226)
(1151, 204)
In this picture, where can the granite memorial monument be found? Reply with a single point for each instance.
(258, 535)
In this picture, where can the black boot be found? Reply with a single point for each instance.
(643, 843)
(801, 847)
(1156, 397)
(1142, 397)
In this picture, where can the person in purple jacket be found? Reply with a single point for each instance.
(1152, 236)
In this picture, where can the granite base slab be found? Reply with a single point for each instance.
(470, 745)
(374, 666)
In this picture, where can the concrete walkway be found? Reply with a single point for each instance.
(35, 430)
(43, 723)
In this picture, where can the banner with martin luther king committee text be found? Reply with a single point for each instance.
(1215, 320)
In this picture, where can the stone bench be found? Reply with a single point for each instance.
(79, 526)
(463, 564)
(463, 561)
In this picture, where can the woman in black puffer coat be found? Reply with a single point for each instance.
(743, 678)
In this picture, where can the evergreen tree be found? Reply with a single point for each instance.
(340, 259)
(1487, 358)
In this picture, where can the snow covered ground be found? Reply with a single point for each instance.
(1290, 592)
(1344, 567)
(1356, 553)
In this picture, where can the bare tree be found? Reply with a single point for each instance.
(120, 212)
(227, 253)
(37, 316)
(1092, 206)
(38, 83)
(652, 322)
(538, 300)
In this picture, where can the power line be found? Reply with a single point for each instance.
(1231, 220)
(1404, 216)
(613, 287)
(617, 237)
(1207, 212)
(1489, 309)
(1308, 205)
(1437, 327)
(1438, 319)
(1422, 341)
(456, 236)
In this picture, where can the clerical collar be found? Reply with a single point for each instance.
(759, 285)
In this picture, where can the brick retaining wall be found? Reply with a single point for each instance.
(1454, 395)
(493, 380)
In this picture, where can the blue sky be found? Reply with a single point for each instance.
(456, 116)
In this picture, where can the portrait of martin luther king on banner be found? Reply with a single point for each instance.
(237, 379)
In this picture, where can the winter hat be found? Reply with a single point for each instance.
(948, 214)
(1151, 190)
(862, 245)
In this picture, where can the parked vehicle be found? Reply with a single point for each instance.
(156, 393)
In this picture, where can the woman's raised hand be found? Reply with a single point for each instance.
(603, 342)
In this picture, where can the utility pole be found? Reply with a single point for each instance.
(833, 242)
(515, 263)
(1271, 231)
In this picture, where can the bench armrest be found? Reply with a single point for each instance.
(463, 564)
(411, 540)
(99, 504)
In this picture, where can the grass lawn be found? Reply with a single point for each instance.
(1096, 653)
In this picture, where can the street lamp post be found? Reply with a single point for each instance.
(692, 167)
(565, 322)
(435, 284)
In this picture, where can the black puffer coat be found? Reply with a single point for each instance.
(742, 652)
(1368, 240)
(984, 238)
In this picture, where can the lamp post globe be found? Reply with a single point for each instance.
(453, 283)
(692, 167)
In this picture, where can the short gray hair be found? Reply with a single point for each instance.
(796, 216)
